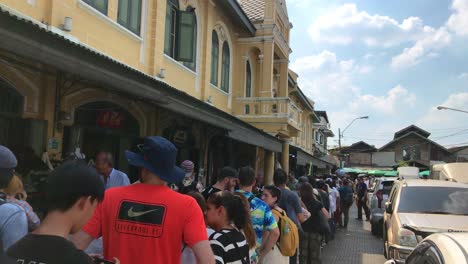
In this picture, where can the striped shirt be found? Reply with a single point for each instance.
(230, 246)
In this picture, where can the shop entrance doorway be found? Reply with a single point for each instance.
(103, 126)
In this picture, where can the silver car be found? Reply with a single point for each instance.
(440, 248)
(377, 198)
(419, 208)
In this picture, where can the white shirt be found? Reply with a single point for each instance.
(333, 195)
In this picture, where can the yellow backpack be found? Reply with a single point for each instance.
(289, 234)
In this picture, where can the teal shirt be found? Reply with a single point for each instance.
(261, 215)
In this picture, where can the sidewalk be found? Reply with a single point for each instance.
(355, 245)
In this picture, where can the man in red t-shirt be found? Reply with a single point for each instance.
(148, 222)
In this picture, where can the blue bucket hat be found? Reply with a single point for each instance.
(8, 164)
(158, 155)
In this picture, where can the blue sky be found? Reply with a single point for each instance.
(395, 61)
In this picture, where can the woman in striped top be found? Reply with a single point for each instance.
(227, 214)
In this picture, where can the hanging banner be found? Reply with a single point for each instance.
(109, 119)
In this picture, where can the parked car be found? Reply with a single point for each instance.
(419, 208)
(378, 196)
(439, 249)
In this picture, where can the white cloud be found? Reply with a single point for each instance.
(365, 69)
(346, 24)
(463, 75)
(315, 62)
(444, 119)
(330, 82)
(425, 47)
(458, 21)
(323, 74)
(299, 3)
(387, 104)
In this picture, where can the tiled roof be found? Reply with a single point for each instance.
(255, 9)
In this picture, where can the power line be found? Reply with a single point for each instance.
(454, 134)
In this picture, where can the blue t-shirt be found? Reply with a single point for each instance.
(13, 224)
(290, 203)
(117, 179)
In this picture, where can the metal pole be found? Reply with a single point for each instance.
(453, 109)
(339, 146)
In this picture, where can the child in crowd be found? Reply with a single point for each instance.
(17, 195)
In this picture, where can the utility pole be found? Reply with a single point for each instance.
(339, 145)
(340, 134)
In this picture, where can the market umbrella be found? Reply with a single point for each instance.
(425, 173)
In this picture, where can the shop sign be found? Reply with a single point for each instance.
(109, 119)
(53, 144)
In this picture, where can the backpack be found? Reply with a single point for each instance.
(289, 234)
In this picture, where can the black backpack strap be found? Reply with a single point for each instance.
(3, 198)
(243, 260)
(251, 198)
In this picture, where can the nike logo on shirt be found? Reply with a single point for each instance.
(133, 214)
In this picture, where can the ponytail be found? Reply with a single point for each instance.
(238, 212)
(245, 219)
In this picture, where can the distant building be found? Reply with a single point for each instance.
(413, 146)
(459, 154)
(362, 154)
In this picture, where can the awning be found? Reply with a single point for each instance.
(255, 139)
(303, 158)
(35, 41)
(319, 163)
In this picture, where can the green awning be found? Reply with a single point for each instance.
(391, 174)
(377, 172)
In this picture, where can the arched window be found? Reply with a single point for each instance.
(214, 58)
(189, 27)
(248, 81)
(226, 65)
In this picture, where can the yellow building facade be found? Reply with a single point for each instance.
(227, 60)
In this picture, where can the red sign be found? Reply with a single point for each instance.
(109, 119)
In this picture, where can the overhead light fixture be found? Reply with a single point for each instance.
(162, 73)
(67, 24)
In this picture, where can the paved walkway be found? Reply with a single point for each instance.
(355, 245)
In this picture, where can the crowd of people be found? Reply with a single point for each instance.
(96, 216)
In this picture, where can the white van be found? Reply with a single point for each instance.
(408, 173)
(457, 172)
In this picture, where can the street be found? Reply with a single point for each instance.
(355, 245)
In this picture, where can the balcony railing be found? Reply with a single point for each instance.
(279, 107)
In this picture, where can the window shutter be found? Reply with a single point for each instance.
(167, 36)
(185, 36)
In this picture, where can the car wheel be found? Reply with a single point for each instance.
(374, 229)
(385, 253)
(380, 228)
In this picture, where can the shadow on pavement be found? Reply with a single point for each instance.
(356, 245)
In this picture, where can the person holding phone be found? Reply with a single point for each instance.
(73, 193)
